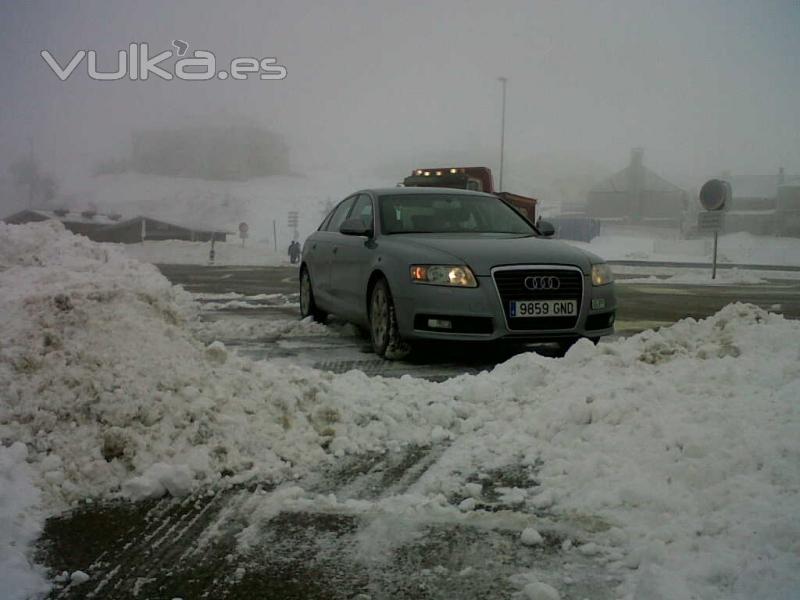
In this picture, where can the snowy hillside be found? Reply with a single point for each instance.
(684, 443)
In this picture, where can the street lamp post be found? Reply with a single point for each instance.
(503, 81)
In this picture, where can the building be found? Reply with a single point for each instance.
(111, 228)
(762, 204)
(788, 209)
(637, 195)
(138, 229)
(84, 223)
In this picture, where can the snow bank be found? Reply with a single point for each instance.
(20, 525)
(684, 444)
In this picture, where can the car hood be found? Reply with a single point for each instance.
(482, 252)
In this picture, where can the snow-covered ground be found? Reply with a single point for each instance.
(653, 245)
(231, 253)
(684, 443)
(671, 275)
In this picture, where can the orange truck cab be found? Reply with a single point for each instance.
(478, 179)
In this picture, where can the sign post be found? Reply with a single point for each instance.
(243, 229)
(714, 263)
(293, 221)
(713, 196)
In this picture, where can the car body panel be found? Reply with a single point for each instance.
(490, 250)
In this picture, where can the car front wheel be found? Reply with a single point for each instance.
(308, 306)
(385, 337)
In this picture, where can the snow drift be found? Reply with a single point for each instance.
(685, 441)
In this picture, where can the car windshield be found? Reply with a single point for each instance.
(449, 213)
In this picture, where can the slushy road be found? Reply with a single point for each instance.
(641, 306)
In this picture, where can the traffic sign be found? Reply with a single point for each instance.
(711, 221)
(243, 227)
(714, 194)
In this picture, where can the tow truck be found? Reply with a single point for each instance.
(470, 178)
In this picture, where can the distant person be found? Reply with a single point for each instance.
(297, 251)
(294, 252)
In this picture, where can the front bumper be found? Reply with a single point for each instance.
(477, 314)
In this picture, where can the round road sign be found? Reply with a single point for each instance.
(714, 194)
(243, 227)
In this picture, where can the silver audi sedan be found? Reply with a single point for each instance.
(412, 264)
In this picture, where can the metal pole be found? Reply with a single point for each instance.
(275, 234)
(31, 163)
(503, 81)
(714, 265)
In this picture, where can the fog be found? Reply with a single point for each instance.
(384, 87)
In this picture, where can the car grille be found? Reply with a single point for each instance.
(510, 285)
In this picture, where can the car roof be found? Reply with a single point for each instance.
(411, 190)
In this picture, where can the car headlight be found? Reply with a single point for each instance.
(601, 274)
(455, 275)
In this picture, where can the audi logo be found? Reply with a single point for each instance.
(543, 282)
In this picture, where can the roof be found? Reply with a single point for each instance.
(104, 221)
(651, 182)
(754, 186)
(792, 183)
(139, 219)
(411, 190)
(76, 217)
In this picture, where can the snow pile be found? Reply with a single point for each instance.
(681, 445)
(19, 524)
(80, 326)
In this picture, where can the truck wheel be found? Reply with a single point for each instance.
(308, 307)
(383, 330)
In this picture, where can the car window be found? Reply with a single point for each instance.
(339, 214)
(325, 221)
(449, 213)
(362, 209)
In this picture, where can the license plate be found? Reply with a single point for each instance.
(543, 308)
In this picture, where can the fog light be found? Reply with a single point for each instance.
(612, 318)
(439, 324)
(598, 303)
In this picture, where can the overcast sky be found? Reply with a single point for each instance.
(703, 86)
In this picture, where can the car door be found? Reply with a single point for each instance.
(352, 257)
(320, 248)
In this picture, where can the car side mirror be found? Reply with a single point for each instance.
(545, 228)
(355, 226)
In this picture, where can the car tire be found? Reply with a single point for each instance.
(308, 306)
(386, 341)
